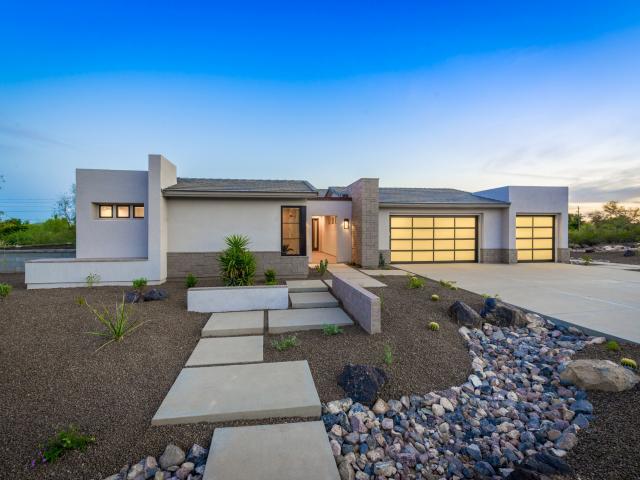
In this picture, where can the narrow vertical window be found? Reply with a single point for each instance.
(293, 230)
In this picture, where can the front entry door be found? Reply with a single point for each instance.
(315, 240)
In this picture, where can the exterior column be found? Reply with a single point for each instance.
(364, 221)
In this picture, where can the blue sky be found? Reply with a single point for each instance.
(467, 95)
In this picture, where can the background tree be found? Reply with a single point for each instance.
(66, 206)
(575, 220)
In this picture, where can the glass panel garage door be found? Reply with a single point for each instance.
(433, 239)
(535, 238)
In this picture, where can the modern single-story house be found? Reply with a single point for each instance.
(156, 225)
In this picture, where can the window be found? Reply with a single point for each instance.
(138, 211)
(122, 211)
(105, 211)
(293, 230)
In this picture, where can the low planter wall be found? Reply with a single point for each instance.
(360, 303)
(237, 299)
(12, 260)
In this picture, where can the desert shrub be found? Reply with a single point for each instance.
(387, 356)
(55, 231)
(270, 277)
(139, 284)
(116, 322)
(191, 280)
(286, 343)
(92, 279)
(63, 441)
(80, 301)
(613, 346)
(5, 290)
(435, 326)
(435, 297)
(322, 267)
(237, 263)
(416, 282)
(628, 362)
(587, 259)
(451, 285)
(330, 329)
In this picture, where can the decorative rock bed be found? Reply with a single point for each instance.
(513, 417)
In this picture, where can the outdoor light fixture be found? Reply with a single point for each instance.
(345, 224)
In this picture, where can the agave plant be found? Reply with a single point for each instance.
(237, 263)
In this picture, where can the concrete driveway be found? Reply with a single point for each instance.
(599, 298)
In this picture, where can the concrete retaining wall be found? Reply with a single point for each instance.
(12, 261)
(237, 299)
(361, 304)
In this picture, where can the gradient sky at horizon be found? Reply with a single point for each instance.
(467, 95)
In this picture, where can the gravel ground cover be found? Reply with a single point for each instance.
(423, 360)
(607, 450)
(613, 257)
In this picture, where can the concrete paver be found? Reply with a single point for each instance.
(596, 298)
(234, 323)
(392, 272)
(226, 350)
(240, 392)
(299, 286)
(289, 451)
(313, 300)
(306, 319)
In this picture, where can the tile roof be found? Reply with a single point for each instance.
(432, 195)
(229, 185)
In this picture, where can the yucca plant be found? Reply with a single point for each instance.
(116, 322)
(237, 263)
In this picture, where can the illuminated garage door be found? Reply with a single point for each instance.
(433, 239)
(535, 238)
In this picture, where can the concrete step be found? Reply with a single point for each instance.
(313, 300)
(234, 323)
(300, 286)
(240, 392)
(306, 319)
(226, 350)
(289, 451)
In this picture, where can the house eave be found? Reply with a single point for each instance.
(272, 195)
(460, 206)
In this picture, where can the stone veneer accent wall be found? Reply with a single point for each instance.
(563, 255)
(364, 222)
(205, 264)
(498, 255)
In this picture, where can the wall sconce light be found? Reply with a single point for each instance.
(345, 224)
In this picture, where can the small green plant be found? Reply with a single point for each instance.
(330, 329)
(63, 441)
(587, 260)
(5, 290)
(388, 354)
(613, 346)
(415, 282)
(270, 277)
(139, 284)
(435, 297)
(451, 285)
(321, 268)
(435, 326)
(92, 279)
(191, 280)
(81, 301)
(286, 343)
(116, 323)
(486, 295)
(629, 362)
(237, 263)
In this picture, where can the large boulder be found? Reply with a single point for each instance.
(155, 294)
(464, 315)
(362, 383)
(599, 375)
(505, 315)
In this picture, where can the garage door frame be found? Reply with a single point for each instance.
(533, 237)
(476, 237)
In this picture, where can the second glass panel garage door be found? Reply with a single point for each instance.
(433, 239)
(535, 238)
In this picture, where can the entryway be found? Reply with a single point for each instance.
(323, 239)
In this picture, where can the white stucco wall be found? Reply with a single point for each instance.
(489, 223)
(115, 237)
(341, 209)
(534, 200)
(201, 225)
(162, 174)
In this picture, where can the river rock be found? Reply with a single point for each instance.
(599, 375)
(173, 455)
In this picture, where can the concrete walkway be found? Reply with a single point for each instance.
(345, 272)
(598, 299)
(226, 350)
(281, 321)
